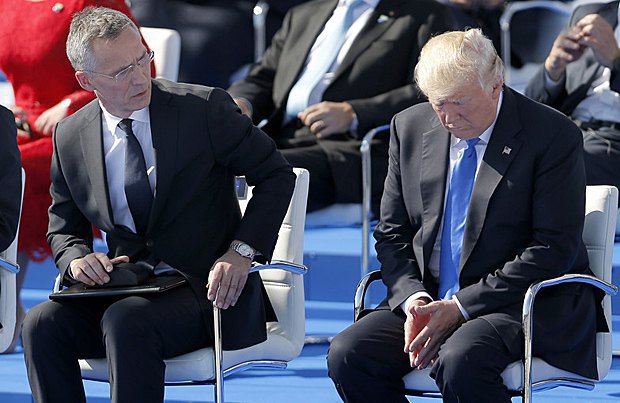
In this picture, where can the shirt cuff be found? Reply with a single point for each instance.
(413, 297)
(463, 311)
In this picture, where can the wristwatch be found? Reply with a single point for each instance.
(243, 249)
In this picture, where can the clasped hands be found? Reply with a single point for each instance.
(427, 326)
(592, 31)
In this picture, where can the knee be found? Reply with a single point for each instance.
(456, 366)
(125, 321)
(342, 359)
(41, 325)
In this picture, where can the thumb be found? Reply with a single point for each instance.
(425, 309)
(120, 259)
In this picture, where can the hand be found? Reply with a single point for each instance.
(414, 325)
(597, 34)
(244, 105)
(19, 112)
(227, 279)
(566, 49)
(445, 318)
(46, 121)
(327, 118)
(94, 268)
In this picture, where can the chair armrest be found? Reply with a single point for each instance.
(360, 292)
(528, 314)
(9, 266)
(367, 192)
(282, 265)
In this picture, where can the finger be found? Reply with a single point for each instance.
(22, 133)
(215, 277)
(104, 261)
(94, 269)
(317, 127)
(240, 286)
(421, 339)
(223, 298)
(120, 259)
(92, 275)
(428, 353)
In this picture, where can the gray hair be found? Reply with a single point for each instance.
(90, 24)
(449, 60)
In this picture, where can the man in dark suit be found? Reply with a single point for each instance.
(10, 178)
(581, 78)
(183, 220)
(457, 269)
(319, 124)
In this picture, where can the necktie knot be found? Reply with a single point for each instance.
(472, 142)
(125, 126)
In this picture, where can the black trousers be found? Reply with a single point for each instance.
(366, 361)
(602, 156)
(134, 333)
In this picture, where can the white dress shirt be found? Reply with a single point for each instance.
(114, 144)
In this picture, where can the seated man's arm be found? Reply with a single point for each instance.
(246, 150)
(10, 179)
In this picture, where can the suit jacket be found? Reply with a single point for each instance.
(201, 142)
(524, 222)
(581, 73)
(10, 178)
(375, 77)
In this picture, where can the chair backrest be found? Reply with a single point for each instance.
(8, 291)
(529, 29)
(598, 236)
(286, 290)
(166, 43)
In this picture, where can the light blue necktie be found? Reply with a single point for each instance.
(322, 59)
(457, 202)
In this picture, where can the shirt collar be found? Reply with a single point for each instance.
(111, 121)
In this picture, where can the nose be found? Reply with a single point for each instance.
(448, 115)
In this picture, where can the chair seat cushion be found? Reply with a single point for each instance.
(198, 365)
(512, 375)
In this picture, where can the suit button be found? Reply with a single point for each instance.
(149, 243)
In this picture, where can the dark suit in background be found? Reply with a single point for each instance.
(524, 224)
(10, 178)
(201, 142)
(601, 144)
(375, 78)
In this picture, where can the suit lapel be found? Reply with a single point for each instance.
(502, 149)
(165, 132)
(381, 19)
(91, 141)
(303, 41)
(434, 169)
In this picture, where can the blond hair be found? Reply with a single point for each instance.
(452, 59)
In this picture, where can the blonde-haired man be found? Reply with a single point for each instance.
(476, 208)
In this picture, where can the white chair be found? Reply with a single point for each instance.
(166, 43)
(8, 290)
(529, 29)
(283, 279)
(534, 374)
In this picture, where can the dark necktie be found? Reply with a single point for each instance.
(457, 202)
(137, 187)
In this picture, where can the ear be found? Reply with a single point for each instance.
(497, 88)
(84, 81)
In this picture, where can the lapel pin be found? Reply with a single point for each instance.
(382, 18)
(507, 150)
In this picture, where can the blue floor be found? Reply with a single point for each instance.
(332, 256)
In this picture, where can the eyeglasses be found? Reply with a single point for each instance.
(127, 72)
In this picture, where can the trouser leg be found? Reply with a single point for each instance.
(366, 361)
(470, 364)
(54, 336)
(139, 332)
(602, 156)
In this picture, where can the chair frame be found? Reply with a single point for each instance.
(365, 150)
(506, 17)
(527, 323)
(8, 260)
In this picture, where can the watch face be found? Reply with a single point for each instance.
(244, 250)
